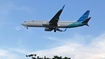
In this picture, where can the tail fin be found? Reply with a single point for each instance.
(84, 16)
(86, 21)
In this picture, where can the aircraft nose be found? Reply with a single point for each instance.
(22, 24)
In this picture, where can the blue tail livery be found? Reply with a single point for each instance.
(84, 16)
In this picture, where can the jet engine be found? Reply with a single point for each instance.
(48, 29)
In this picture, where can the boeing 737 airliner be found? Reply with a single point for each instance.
(55, 24)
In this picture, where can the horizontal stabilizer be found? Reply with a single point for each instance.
(86, 21)
(84, 16)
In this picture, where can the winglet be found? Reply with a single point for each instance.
(63, 7)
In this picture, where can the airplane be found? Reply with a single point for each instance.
(55, 24)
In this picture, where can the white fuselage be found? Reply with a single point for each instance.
(34, 23)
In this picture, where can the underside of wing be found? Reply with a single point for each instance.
(53, 22)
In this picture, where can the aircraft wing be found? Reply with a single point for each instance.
(53, 22)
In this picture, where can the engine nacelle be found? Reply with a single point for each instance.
(48, 29)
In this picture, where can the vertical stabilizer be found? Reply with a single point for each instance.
(84, 16)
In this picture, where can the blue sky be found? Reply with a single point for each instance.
(78, 43)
